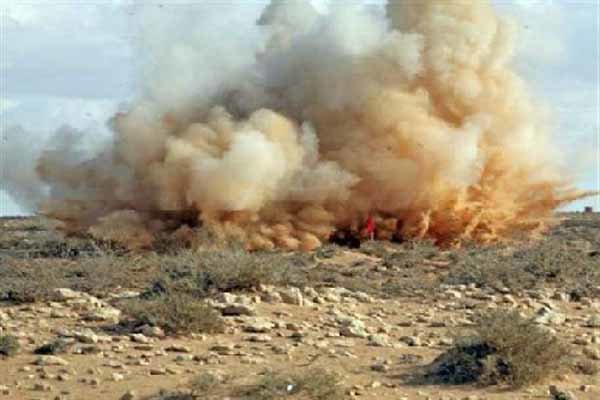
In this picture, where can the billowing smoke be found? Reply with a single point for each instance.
(322, 119)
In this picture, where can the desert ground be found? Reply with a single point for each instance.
(83, 319)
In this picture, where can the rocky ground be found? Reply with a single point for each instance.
(373, 341)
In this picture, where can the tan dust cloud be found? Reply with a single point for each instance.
(415, 115)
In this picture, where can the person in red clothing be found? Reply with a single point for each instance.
(371, 227)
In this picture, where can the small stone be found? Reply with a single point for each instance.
(129, 395)
(178, 348)
(108, 314)
(352, 327)
(139, 338)
(375, 385)
(152, 331)
(86, 336)
(292, 295)
(379, 340)
(64, 294)
(158, 371)
(223, 348)
(258, 326)
(117, 377)
(42, 387)
(380, 367)
(259, 338)
(545, 316)
(184, 357)
(593, 321)
(411, 340)
(51, 360)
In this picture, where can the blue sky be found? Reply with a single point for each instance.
(72, 62)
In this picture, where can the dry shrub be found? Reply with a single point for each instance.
(504, 349)
(9, 345)
(552, 262)
(204, 273)
(314, 384)
(175, 313)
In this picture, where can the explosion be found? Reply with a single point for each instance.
(413, 116)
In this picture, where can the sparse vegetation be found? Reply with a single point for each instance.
(313, 384)
(548, 263)
(505, 348)
(204, 273)
(178, 278)
(175, 313)
(9, 345)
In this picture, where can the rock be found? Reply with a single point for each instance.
(546, 316)
(380, 367)
(411, 340)
(352, 327)
(128, 294)
(184, 357)
(64, 294)
(223, 348)
(233, 310)
(117, 377)
(227, 298)
(173, 371)
(454, 294)
(593, 321)
(271, 297)
(592, 353)
(42, 387)
(139, 338)
(86, 336)
(292, 295)
(259, 338)
(129, 395)
(561, 296)
(4, 390)
(50, 360)
(258, 326)
(179, 348)
(108, 314)
(152, 331)
(361, 297)
(560, 395)
(379, 340)
(158, 371)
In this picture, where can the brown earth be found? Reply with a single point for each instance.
(372, 316)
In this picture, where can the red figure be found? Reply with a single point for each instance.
(371, 227)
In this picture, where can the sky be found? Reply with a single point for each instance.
(68, 61)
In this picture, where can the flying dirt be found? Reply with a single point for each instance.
(412, 115)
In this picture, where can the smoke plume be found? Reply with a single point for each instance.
(320, 120)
